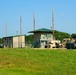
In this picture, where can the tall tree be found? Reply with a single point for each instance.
(73, 36)
(60, 35)
(1, 41)
(29, 39)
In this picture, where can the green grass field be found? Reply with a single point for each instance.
(23, 61)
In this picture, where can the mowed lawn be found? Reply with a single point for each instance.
(24, 61)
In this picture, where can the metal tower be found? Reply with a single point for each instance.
(34, 22)
(21, 31)
(53, 22)
(6, 28)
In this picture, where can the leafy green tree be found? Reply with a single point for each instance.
(1, 41)
(73, 36)
(29, 39)
(60, 35)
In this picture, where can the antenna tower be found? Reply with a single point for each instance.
(34, 21)
(21, 31)
(6, 28)
(53, 22)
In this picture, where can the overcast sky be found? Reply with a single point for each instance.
(11, 10)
